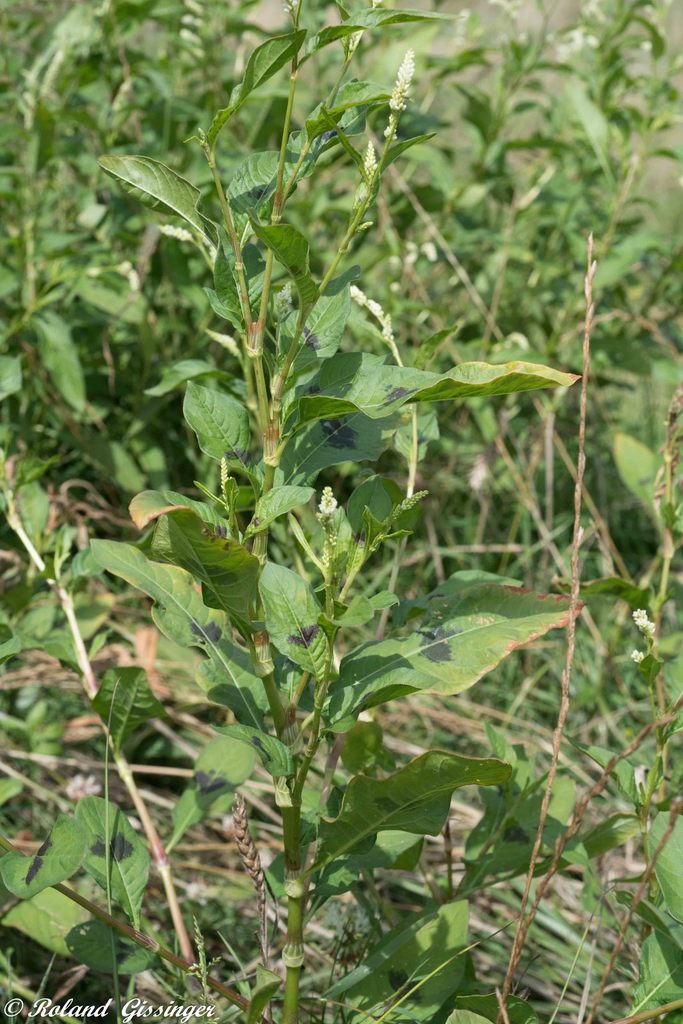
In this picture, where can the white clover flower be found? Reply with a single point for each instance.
(81, 786)
(328, 504)
(197, 891)
(171, 231)
(370, 162)
(644, 624)
(637, 656)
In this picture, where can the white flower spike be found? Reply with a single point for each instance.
(644, 624)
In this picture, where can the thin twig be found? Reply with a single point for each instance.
(523, 924)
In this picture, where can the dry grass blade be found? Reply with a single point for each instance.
(524, 923)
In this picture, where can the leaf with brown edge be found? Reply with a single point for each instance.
(147, 506)
(469, 627)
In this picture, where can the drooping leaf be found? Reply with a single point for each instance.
(220, 422)
(225, 569)
(274, 503)
(116, 856)
(292, 612)
(102, 949)
(157, 186)
(187, 369)
(124, 701)
(469, 628)
(149, 505)
(399, 850)
(10, 376)
(414, 799)
(58, 857)
(275, 757)
(421, 963)
(361, 382)
(291, 249)
(182, 616)
(59, 355)
(263, 63)
(222, 766)
(669, 861)
(371, 18)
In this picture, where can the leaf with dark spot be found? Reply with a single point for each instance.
(56, 859)
(338, 434)
(436, 649)
(397, 979)
(311, 339)
(125, 871)
(305, 636)
(210, 782)
(34, 868)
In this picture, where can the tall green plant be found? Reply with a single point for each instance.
(270, 573)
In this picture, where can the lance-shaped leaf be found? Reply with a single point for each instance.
(153, 184)
(275, 757)
(262, 65)
(226, 570)
(470, 627)
(414, 799)
(182, 616)
(291, 249)
(221, 424)
(421, 963)
(487, 1008)
(292, 612)
(277, 502)
(124, 701)
(223, 765)
(57, 858)
(362, 382)
(116, 858)
(360, 20)
(149, 505)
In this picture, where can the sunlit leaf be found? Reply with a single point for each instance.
(57, 858)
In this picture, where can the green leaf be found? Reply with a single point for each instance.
(187, 369)
(350, 382)
(117, 858)
(466, 1017)
(57, 858)
(637, 466)
(263, 63)
(101, 949)
(10, 643)
(10, 376)
(182, 616)
(414, 799)
(124, 701)
(668, 866)
(661, 974)
(485, 1007)
(59, 355)
(149, 505)
(323, 330)
(222, 766)
(470, 627)
(374, 18)
(292, 612)
(267, 984)
(157, 186)
(47, 919)
(593, 122)
(274, 503)
(399, 850)
(421, 963)
(275, 757)
(330, 442)
(227, 571)
(220, 422)
(291, 249)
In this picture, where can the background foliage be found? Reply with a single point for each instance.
(547, 127)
